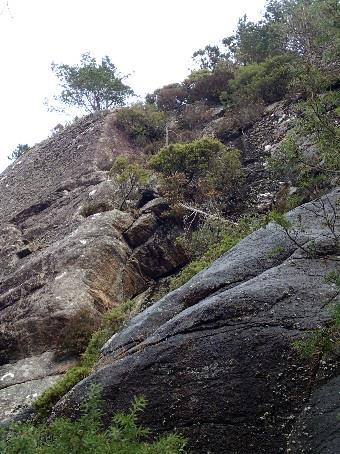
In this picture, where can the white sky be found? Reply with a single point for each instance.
(151, 39)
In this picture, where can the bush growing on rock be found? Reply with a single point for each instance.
(143, 123)
(326, 340)
(130, 175)
(207, 85)
(193, 116)
(309, 154)
(202, 167)
(169, 97)
(87, 435)
(203, 85)
(214, 237)
(267, 81)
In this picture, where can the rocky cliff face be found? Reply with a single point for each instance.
(57, 261)
(215, 358)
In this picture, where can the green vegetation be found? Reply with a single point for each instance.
(215, 237)
(91, 86)
(20, 149)
(333, 278)
(267, 81)
(112, 321)
(198, 169)
(87, 435)
(322, 341)
(316, 121)
(130, 176)
(325, 340)
(276, 251)
(207, 85)
(142, 123)
(262, 59)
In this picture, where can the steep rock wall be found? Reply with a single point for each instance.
(56, 262)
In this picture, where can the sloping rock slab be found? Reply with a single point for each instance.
(215, 358)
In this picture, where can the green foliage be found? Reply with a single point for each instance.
(207, 85)
(316, 343)
(199, 168)
(143, 123)
(324, 340)
(312, 29)
(267, 81)
(112, 321)
(215, 237)
(307, 29)
(20, 149)
(281, 220)
(310, 167)
(204, 85)
(209, 233)
(254, 42)
(91, 86)
(130, 175)
(192, 159)
(87, 435)
(327, 339)
(169, 97)
(333, 278)
(209, 57)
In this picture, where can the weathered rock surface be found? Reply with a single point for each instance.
(215, 358)
(258, 142)
(141, 230)
(22, 381)
(62, 246)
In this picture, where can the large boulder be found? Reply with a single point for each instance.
(215, 358)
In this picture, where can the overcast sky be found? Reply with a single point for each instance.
(151, 39)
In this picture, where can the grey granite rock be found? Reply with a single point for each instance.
(215, 358)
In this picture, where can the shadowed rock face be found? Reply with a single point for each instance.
(63, 250)
(215, 358)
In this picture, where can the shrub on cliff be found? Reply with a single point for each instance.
(169, 97)
(198, 169)
(267, 81)
(129, 175)
(210, 240)
(87, 435)
(207, 85)
(142, 123)
(204, 85)
(309, 155)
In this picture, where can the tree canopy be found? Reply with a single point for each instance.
(91, 86)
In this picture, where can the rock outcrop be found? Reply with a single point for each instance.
(215, 358)
(65, 248)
